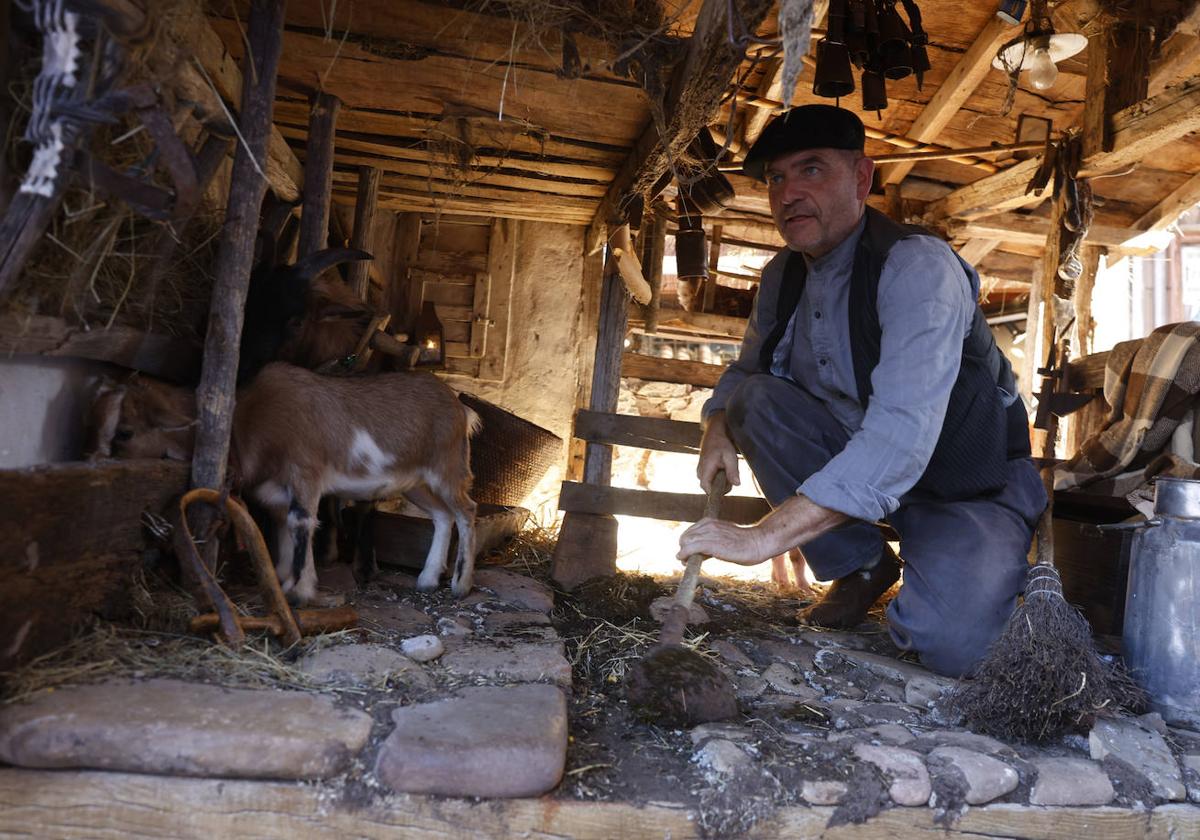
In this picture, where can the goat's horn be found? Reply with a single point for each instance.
(314, 264)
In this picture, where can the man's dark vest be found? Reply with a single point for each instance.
(978, 434)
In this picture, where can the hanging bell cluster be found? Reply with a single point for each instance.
(871, 35)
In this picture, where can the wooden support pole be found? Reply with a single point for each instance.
(404, 295)
(606, 375)
(215, 395)
(318, 173)
(1118, 75)
(710, 284)
(364, 217)
(587, 543)
(1042, 309)
(654, 236)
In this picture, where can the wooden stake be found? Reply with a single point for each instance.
(655, 247)
(710, 284)
(364, 217)
(318, 173)
(215, 395)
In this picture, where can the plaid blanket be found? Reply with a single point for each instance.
(1151, 385)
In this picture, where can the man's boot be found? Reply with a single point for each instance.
(846, 603)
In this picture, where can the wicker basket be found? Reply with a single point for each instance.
(510, 455)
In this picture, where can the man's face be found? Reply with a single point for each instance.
(817, 196)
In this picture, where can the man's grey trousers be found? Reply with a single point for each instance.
(964, 562)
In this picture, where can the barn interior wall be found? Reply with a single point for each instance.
(43, 405)
(546, 338)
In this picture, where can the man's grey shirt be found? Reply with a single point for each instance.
(926, 304)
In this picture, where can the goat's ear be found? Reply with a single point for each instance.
(105, 417)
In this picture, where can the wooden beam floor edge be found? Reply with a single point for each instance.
(72, 804)
(577, 497)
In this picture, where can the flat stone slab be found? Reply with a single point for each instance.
(722, 757)
(967, 740)
(885, 666)
(486, 741)
(509, 622)
(403, 619)
(787, 680)
(1070, 781)
(1142, 749)
(823, 792)
(660, 608)
(515, 589)
(517, 661)
(987, 778)
(731, 653)
(886, 733)
(908, 780)
(361, 664)
(186, 729)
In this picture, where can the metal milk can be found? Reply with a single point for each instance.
(1162, 603)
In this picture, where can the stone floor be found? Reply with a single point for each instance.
(478, 698)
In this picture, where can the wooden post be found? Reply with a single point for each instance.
(655, 245)
(587, 543)
(710, 284)
(215, 395)
(318, 173)
(364, 217)
(404, 296)
(1118, 75)
(1042, 308)
(1084, 422)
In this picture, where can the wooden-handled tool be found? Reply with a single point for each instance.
(671, 684)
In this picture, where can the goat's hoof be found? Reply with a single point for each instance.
(460, 590)
(426, 586)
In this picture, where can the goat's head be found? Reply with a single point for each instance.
(277, 306)
(142, 418)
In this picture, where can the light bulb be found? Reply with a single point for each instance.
(1042, 72)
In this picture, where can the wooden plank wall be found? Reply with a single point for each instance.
(71, 536)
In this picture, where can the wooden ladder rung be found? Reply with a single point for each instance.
(654, 433)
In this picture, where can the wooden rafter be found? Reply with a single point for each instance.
(1137, 131)
(693, 97)
(1166, 212)
(1013, 227)
(954, 91)
(282, 168)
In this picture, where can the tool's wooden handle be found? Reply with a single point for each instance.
(676, 620)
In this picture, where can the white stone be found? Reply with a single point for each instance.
(908, 779)
(423, 648)
(1191, 761)
(885, 666)
(516, 661)
(487, 741)
(721, 756)
(1070, 781)
(1142, 749)
(987, 778)
(822, 792)
(188, 729)
(787, 681)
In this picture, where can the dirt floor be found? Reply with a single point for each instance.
(810, 701)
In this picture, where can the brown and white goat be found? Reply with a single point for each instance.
(298, 436)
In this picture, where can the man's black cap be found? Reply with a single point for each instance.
(806, 127)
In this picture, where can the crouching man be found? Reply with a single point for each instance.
(869, 388)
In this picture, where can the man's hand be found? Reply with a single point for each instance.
(724, 541)
(717, 452)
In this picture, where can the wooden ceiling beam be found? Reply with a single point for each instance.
(221, 78)
(954, 91)
(1033, 230)
(692, 100)
(1137, 132)
(1164, 214)
(1179, 55)
(977, 248)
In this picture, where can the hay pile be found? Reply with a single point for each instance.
(95, 265)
